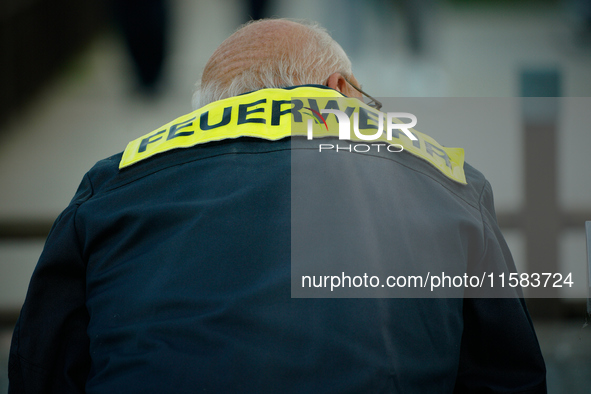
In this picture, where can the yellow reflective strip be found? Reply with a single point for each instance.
(158, 141)
(221, 121)
(428, 149)
(454, 169)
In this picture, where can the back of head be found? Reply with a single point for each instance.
(270, 53)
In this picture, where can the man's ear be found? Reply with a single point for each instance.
(337, 82)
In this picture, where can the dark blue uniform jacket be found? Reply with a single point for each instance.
(173, 276)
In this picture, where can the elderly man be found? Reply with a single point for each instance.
(171, 269)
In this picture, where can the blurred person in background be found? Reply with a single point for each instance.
(257, 9)
(170, 269)
(144, 25)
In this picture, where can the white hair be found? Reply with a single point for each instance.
(311, 61)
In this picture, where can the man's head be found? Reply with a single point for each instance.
(274, 53)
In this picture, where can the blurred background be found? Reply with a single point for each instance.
(77, 82)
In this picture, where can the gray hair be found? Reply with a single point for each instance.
(310, 62)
